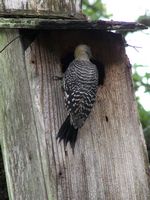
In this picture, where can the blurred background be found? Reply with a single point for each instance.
(138, 51)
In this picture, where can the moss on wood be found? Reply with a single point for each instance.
(41, 23)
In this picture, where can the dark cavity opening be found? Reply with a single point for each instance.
(106, 118)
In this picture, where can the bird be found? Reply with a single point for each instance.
(80, 83)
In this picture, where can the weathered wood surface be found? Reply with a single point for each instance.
(19, 134)
(47, 8)
(36, 23)
(110, 160)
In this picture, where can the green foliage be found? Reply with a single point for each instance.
(144, 19)
(145, 121)
(143, 81)
(95, 10)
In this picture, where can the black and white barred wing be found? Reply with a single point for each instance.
(80, 84)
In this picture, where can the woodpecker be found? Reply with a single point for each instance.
(80, 84)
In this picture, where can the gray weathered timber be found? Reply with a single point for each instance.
(110, 160)
(19, 133)
(38, 23)
(64, 8)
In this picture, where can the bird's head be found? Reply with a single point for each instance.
(82, 52)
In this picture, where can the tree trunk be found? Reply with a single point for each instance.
(110, 158)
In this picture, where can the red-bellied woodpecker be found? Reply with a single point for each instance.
(80, 86)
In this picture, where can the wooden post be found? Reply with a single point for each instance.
(110, 159)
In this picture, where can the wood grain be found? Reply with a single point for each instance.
(64, 8)
(110, 160)
(19, 139)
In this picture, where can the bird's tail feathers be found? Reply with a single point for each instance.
(67, 133)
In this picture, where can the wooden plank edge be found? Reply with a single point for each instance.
(38, 23)
(44, 14)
